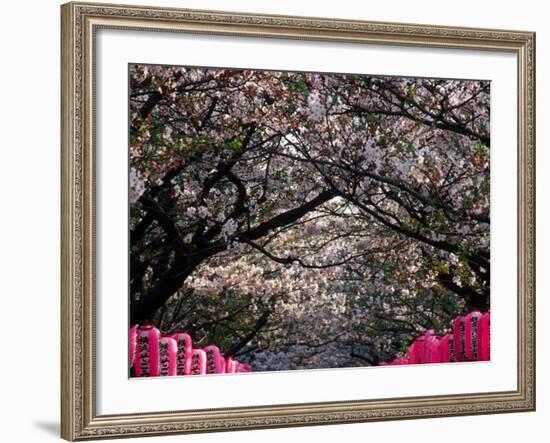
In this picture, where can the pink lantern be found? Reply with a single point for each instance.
(213, 360)
(198, 362)
(184, 353)
(222, 364)
(458, 338)
(147, 356)
(431, 347)
(470, 335)
(446, 351)
(410, 356)
(484, 337)
(243, 367)
(407, 357)
(230, 365)
(421, 349)
(168, 349)
(133, 341)
(416, 353)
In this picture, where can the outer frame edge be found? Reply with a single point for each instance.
(74, 396)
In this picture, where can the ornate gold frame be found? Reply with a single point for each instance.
(79, 21)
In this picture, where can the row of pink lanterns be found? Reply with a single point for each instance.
(470, 340)
(152, 354)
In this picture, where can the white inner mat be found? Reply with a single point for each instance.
(117, 394)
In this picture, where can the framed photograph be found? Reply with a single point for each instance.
(277, 221)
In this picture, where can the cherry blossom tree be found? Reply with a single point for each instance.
(302, 219)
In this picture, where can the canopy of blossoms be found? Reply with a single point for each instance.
(305, 220)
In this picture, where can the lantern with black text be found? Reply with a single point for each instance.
(214, 360)
(147, 352)
(184, 353)
(484, 337)
(446, 351)
(198, 362)
(471, 344)
(458, 338)
(167, 356)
